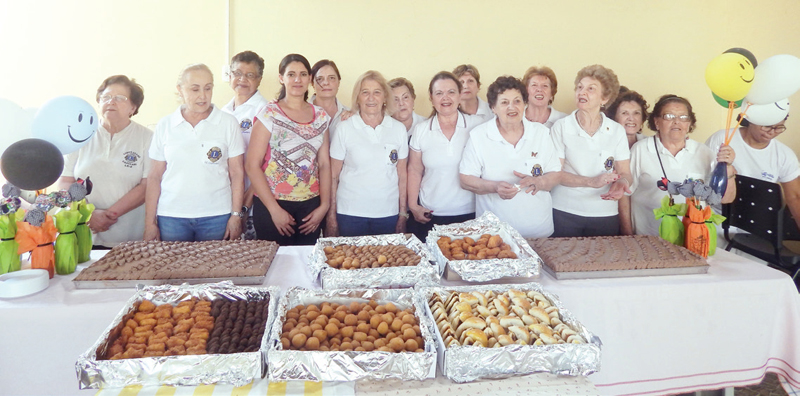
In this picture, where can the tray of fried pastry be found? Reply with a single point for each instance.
(496, 331)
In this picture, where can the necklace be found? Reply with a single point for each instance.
(600, 119)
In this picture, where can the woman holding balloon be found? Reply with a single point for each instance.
(669, 156)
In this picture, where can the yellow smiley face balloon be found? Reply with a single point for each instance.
(730, 76)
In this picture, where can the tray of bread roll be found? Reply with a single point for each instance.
(372, 261)
(156, 263)
(183, 335)
(349, 335)
(616, 257)
(482, 250)
(497, 331)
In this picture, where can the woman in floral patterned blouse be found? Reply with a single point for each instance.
(293, 181)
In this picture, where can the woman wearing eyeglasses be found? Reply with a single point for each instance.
(672, 155)
(326, 79)
(247, 68)
(761, 156)
(117, 161)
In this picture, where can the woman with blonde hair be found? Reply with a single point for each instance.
(196, 180)
(368, 165)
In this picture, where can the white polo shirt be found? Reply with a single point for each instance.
(484, 111)
(196, 182)
(246, 114)
(489, 156)
(335, 119)
(440, 189)
(116, 164)
(695, 161)
(776, 163)
(368, 183)
(588, 156)
(555, 115)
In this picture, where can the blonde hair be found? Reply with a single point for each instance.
(605, 76)
(542, 71)
(389, 105)
(193, 67)
(461, 70)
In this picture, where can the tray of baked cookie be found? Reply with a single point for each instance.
(157, 263)
(183, 335)
(497, 331)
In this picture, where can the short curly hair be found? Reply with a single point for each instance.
(659, 107)
(605, 76)
(502, 84)
(626, 95)
(402, 81)
(542, 71)
(249, 57)
(460, 70)
(137, 92)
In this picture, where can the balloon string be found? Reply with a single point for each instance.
(744, 114)
(728, 134)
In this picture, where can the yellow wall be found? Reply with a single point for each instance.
(50, 48)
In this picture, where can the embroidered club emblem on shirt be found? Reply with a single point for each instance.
(609, 163)
(393, 156)
(214, 154)
(130, 159)
(246, 125)
(537, 170)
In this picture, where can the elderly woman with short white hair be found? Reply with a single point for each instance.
(369, 154)
(196, 181)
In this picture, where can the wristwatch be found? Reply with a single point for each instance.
(240, 214)
(245, 209)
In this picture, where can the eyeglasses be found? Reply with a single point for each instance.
(331, 79)
(239, 74)
(774, 129)
(115, 98)
(673, 117)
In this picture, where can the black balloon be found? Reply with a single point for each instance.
(746, 53)
(32, 164)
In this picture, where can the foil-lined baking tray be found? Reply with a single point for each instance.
(466, 363)
(237, 369)
(424, 273)
(350, 365)
(526, 265)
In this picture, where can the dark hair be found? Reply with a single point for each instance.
(137, 92)
(443, 75)
(626, 95)
(285, 62)
(460, 70)
(502, 84)
(542, 71)
(403, 82)
(249, 57)
(659, 107)
(320, 64)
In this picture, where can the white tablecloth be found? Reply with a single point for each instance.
(661, 335)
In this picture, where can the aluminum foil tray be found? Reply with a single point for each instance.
(466, 363)
(527, 264)
(237, 369)
(350, 365)
(424, 273)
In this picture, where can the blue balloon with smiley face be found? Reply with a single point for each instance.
(68, 122)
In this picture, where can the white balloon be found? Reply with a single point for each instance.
(15, 123)
(767, 114)
(776, 78)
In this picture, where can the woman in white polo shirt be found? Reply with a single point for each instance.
(247, 69)
(471, 104)
(368, 165)
(292, 179)
(326, 79)
(117, 161)
(595, 160)
(435, 195)
(542, 86)
(510, 163)
(196, 180)
(404, 97)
